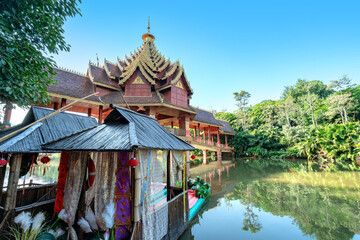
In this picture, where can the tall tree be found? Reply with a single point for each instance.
(30, 31)
(242, 101)
(286, 108)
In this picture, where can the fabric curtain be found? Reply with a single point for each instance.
(90, 193)
(105, 183)
(154, 207)
(176, 167)
(73, 186)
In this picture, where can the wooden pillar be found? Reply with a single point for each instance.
(2, 178)
(172, 124)
(212, 138)
(89, 112)
(100, 114)
(137, 192)
(56, 106)
(63, 102)
(218, 138)
(168, 173)
(15, 164)
(205, 161)
(198, 132)
(219, 157)
(226, 142)
(209, 140)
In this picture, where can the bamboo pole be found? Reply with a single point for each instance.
(15, 164)
(41, 119)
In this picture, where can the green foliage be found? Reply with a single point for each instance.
(303, 124)
(30, 32)
(202, 188)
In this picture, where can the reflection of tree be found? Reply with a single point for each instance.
(320, 212)
(251, 221)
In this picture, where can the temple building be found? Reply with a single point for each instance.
(146, 82)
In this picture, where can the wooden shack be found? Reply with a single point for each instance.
(23, 148)
(151, 199)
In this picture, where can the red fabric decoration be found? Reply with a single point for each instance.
(133, 162)
(3, 162)
(45, 159)
(193, 157)
(59, 201)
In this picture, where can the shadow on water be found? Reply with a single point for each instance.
(250, 202)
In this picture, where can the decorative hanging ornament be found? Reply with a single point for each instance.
(3, 161)
(45, 159)
(133, 162)
(193, 156)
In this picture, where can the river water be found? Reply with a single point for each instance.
(271, 203)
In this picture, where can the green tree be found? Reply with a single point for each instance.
(242, 101)
(30, 31)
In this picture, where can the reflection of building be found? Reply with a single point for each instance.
(148, 83)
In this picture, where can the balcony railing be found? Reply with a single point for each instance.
(182, 133)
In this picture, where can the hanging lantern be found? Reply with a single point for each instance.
(45, 159)
(193, 156)
(3, 161)
(133, 162)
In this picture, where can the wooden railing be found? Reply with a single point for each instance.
(182, 133)
(178, 218)
(33, 194)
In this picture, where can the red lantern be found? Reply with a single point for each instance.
(133, 162)
(45, 159)
(3, 161)
(193, 157)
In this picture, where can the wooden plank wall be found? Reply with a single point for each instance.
(33, 194)
(177, 225)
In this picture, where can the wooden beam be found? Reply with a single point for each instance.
(100, 114)
(15, 164)
(168, 176)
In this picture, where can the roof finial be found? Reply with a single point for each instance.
(97, 59)
(148, 24)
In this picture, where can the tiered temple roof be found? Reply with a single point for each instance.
(145, 79)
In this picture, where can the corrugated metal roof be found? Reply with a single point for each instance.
(206, 117)
(57, 126)
(227, 128)
(122, 130)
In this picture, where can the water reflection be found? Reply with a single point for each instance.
(269, 203)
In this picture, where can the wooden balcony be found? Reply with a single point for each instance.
(199, 143)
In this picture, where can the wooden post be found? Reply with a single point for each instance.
(205, 161)
(226, 142)
(89, 112)
(172, 124)
(56, 106)
(198, 132)
(209, 140)
(218, 138)
(100, 114)
(63, 102)
(15, 164)
(132, 185)
(2, 178)
(168, 162)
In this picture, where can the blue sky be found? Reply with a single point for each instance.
(225, 46)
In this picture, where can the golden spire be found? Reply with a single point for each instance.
(147, 37)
